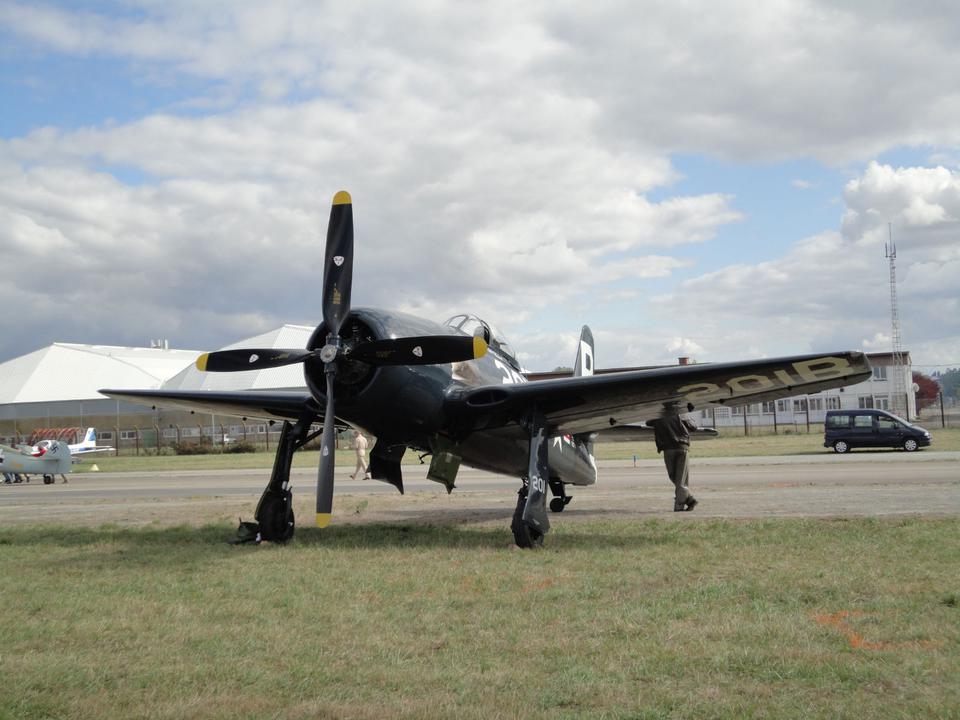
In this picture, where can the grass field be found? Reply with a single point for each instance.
(704, 619)
(734, 445)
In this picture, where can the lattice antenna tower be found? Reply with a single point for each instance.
(898, 387)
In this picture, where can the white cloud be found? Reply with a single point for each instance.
(502, 157)
(831, 289)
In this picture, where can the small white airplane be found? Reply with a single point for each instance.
(84, 447)
(50, 460)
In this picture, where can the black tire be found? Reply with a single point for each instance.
(523, 535)
(841, 446)
(48, 479)
(910, 445)
(275, 516)
(557, 504)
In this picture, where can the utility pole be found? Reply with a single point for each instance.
(898, 388)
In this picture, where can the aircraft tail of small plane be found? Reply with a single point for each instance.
(88, 444)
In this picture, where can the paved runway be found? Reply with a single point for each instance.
(862, 483)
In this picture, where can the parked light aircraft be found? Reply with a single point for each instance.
(456, 392)
(48, 461)
(84, 447)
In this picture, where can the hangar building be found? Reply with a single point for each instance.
(57, 386)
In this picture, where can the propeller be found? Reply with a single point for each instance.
(425, 350)
(337, 286)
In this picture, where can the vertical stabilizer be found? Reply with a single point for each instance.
(584, 363)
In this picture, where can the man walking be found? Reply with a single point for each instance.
(672, 435)
(360, 445)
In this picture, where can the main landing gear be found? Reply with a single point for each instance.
(528, 536)
(274, 516)
(530, 522)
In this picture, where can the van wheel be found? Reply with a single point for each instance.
(910, 445)
(841, 446)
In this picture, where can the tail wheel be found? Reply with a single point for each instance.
(523, 535)
(841, 446)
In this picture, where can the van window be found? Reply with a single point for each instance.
(838, 421)
(863, 421)
(886, 423)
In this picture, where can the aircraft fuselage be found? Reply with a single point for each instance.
(405, 405)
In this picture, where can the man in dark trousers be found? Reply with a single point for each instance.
(672, 435)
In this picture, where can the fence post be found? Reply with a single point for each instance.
(157, 428)
(116, 450)
(136, 432)
(943, 418)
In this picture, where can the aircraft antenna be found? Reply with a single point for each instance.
(898, 392)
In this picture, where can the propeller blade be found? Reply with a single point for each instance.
(426, 350)
(327, 459)
(338, 263)
(249, 359)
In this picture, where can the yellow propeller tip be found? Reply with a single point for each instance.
(323, 519)
(202, 362)
(342, 198)
(479, 347)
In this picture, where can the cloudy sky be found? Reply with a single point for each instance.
(707, 179)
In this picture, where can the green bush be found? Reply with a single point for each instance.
(204, 447)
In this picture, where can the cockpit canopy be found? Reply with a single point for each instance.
(474, 326)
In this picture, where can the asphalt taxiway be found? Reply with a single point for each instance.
(859, 484)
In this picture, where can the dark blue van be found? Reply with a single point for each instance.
(844, 430)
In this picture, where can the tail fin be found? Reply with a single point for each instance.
(89, 440)
(581, 368)
(584, 364)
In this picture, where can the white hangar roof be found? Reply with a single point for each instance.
(288, 377)
(65, 371)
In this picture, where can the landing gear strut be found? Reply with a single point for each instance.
(274, 516)
(530, 522)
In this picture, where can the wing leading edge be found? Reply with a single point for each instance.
(288, 405)
(585, 404)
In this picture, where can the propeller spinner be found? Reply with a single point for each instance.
(337, 286)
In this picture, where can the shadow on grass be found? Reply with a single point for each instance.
(212, 541)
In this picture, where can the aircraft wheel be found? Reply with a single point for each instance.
(48, 479)
(841, 446)
(523, 535)
(910, 445)
(557, 504)
(276, 517)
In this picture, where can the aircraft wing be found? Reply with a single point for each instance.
(586, 404)
(275, 404)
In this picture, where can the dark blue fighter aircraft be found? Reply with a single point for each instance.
(456, 392)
